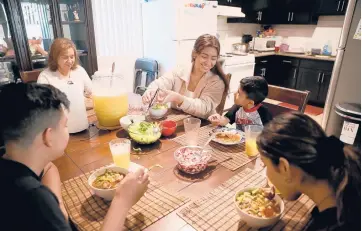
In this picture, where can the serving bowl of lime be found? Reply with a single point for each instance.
(145, 132)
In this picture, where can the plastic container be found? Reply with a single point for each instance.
(110, 98)
(327, 49)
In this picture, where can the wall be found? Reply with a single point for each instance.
(231, 32)
(313, 36)
(307, 36)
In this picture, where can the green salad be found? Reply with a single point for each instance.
(159, 106)
(144, 132)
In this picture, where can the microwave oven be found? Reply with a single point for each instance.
(264, 44)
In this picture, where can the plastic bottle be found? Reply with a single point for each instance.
(327, 48)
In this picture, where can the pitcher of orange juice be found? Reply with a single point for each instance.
(110, 98)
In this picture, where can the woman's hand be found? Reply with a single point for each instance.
(171, 96)
(132, 187)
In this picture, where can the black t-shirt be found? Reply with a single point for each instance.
(25, 203)
(258, 115)
(327, 221)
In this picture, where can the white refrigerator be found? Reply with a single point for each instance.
(345, 85)
(171, 27)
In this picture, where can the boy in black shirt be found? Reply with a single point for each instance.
(247, 109)
(33, 125)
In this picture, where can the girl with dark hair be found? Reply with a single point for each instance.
(198, 88)
(301, 159)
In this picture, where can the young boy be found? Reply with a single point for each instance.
(33, 125)
(247, 109)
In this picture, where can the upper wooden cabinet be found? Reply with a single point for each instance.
(288, 11)
(332, 7)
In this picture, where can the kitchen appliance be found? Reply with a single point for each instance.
(170, 29)
(239, 67)
(345, 84)
(264, 44)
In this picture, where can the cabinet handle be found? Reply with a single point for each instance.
(322, 78)
(287, 61)
(342, 6)
(264, 61)
(288, 16)
(319, 76)
(291, 19)
(261, 15)
(339, 3)
(295, 72)
(264, 72)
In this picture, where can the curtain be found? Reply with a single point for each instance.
(118, 27)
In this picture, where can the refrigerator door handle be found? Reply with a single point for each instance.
(339, 3)
(319, 77)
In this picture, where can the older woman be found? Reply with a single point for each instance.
(65, 74)
(198, 88)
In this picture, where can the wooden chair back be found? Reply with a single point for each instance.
(220, 107)
(30, 76)
(286, 95)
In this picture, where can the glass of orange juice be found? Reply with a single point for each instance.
(121, 150)
(251, 133)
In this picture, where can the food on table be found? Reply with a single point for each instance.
(228, 137)
(192, 160)
(108, 180)
(159, 106)
(168, 127)
(144, 132)
(258, 202)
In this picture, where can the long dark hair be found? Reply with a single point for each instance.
(301, 141)
(208, 40)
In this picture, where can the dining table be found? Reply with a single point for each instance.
(89, 150)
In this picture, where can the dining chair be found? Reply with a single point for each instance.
(296, 99)
(220, 107)
(30, 76)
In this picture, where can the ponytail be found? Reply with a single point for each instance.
(347, 182)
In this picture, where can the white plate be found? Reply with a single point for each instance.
(228, 130)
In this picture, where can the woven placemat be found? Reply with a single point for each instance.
(231, 157)
(216, 211)
(88, 211)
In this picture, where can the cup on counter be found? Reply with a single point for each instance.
(276, 49)
(192, 127)
(251, 133)
(121, 150)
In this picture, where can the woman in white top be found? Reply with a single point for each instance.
(64, 73)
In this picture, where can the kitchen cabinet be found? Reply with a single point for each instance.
(308, 79)
(332, 7)
(324, 82)
(264, 67)
(286, 71)
(296, 12)
(235, 3)
(278, 12)
(315, 80)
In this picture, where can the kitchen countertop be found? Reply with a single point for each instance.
(302, 56)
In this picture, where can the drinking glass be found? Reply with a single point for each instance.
(192, 126)
(251, 133)
(121, 150)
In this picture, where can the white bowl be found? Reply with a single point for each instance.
(107, 194)
(125, 121)
(258, 222)
(158, 113)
